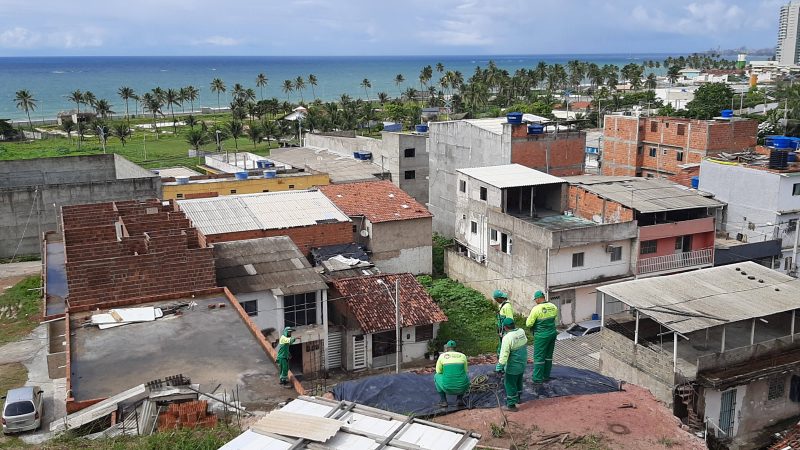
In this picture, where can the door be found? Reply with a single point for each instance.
(359, 352)
(727, 412)
(334, 351)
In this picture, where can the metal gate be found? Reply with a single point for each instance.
(359, 352)
(334, 355)
(727, 412)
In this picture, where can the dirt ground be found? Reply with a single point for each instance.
(600, 421)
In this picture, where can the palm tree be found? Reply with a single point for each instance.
(312, 81)
(126, 93)
(89, 98)
(68, 126)
(172, 97)
(183, 94)
(255, 133)
(103, 108)
(237, 92)
(191, 94)
(236, 129)
(153, 103)
(191, 121)
(383, 97)
(26, 102)
(77, 97)
(650, 82)
(197, 138)
(439, 67)
(218, 86)
(287, 88)
(366, 85)
(121, 130)
(261, 81)
(673, 73)
(399, 79)
(299, 85)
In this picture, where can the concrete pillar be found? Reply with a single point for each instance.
(722, 349)
(674, 352)
(603, 309)
(636, 332)
(753, 332)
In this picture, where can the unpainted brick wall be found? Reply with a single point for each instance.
(304, 238)
(587, 205)
(567, 151)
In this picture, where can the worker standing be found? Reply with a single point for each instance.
(504, 310)
(512, 361)
(451, 375)
(542, 322)
(284, 342)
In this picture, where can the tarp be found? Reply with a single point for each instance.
(411, 393)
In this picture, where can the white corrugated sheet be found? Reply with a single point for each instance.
(266, 211)
(510, 175)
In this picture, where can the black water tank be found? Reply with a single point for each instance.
(778, 159)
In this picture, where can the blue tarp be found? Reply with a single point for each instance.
(411, 393)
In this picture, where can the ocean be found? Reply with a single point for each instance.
(52, 79)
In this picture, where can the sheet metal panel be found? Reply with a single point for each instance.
(510, 175)
(284, 423)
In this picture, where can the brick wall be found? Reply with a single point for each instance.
(620, 141)
(587, 205)
(303, 237)
(684, 175)
(560, 155)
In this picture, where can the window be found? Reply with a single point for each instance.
(473, 227)
(639, 150)
(679, 243)
(410, 175)
(233, 191)
(648, 247)
(654, 126)
(355, 229)
(649, 175)
(178, 195)
(423, 333)
(577, 259)
(265, 190)
(681, 129)
(652, 152)
(679, 155)
(493, 237)
(796, 189)
(777, 388)
(291, 186)
(792, 225)
(462, 185)
(300, 309)
(664, 151)
(505, 243)
(616, 253)
(484, 193)
(250, 307)
(410, 152)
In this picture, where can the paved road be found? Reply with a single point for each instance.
(20, 269)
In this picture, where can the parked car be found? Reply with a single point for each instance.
(580, 329)
(22, 410)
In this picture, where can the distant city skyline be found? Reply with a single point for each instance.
(362, 27)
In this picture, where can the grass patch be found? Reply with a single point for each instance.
(439, 244)
(11, 376)
(199, 439)
(21, 258)
(667, 442)
(20, 306)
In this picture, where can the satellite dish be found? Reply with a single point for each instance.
(364, 233)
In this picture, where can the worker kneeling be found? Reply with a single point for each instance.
(451, 374)
(512, 361)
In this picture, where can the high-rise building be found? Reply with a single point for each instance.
(788, 51)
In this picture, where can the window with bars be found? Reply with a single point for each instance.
(647, 247)
(616, 253)
(423, 333)
(777, 388)
(300, 309)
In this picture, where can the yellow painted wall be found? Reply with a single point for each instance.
(250, 186)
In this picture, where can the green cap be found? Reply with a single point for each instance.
(508, 322)
(538, 294)
(287, 330)
(451, 343)
(499, 294)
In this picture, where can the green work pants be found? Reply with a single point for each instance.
(543, 357)
(283, 365)
(513, 385)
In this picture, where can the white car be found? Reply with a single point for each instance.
(22, 410)
(580, 329)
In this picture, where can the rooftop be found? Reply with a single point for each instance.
(378, 201)
(69, 170)
(228, 177)
(495, 124)
(706, 298)
(754, 161)
(264, 264)
(265, 211)
(340, 168)
(510, 175)
(374, 308)
(179, 171)
(557, 222)
(210, 346)
(645, 195)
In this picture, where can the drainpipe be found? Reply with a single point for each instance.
(794, 250)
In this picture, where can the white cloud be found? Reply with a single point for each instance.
(219, 41)
(696, 18)
(19, 37)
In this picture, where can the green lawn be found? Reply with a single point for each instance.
(22, 307)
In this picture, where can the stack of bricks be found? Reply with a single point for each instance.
(192, 414)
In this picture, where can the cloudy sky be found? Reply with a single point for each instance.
(379, 27)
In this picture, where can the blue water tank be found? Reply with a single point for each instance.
(514, 118)
(366, 156)
(270, 174)
(182, 180)
(535, 128)
(792, 157)
(780, 142)
(357, 155)
(695, 182)
(421, 128)
(727, 113)
(595, 316)
(241, 175)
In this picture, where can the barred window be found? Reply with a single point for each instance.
(424, 333)
(777, 388)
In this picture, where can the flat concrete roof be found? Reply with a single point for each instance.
(210, 346)
(340, 168)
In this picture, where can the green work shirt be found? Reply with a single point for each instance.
(451, 373)
(505, 310)
(542, 320)
(283, 346)
(514, 352)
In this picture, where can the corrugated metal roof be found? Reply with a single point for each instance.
(362, 429)
(706, 298)
(510, 175)
(645, 195)
(266, 211)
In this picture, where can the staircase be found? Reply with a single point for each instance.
(687, 395)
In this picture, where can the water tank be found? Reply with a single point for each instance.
(792, 157)
(695, 182)
(261, 164)
(779, 142)
(366, 156)
(182, 180)
(241, 175)
(357, 155)
(535, 128)
(514, 118)
(727, 113)
(778, 159)
(421, 128)
(270, 173)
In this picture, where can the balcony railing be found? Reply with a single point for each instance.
(676, 262)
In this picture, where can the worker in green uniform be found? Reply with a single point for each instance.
(504, 310)
(283, 354)
(451, 375)
(512, 361)
(542, 322)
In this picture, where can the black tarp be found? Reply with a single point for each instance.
(411, 393)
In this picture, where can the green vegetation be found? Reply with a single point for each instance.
(709, 100)
(20, 306)
(667, 442)
(439, 244)
(197, 439)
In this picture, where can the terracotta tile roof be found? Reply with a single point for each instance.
(378, 201)
(790, 441)
(374, 309)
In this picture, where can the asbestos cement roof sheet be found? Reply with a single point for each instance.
(645, 195)
(706, 298)
(510, 175)
(340, 168)
(266, 211)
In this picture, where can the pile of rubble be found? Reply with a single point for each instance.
(192, 414)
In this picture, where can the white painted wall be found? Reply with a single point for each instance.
(417, 260)
(596, 263)
(268, 313)
(713, 400)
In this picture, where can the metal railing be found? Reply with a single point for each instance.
(676, 261)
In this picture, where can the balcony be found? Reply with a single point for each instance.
(676, 262)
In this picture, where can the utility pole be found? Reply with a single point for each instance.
(398, 325)
(794, 250)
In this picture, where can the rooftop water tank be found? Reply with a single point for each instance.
(270, 173)
(695, 182)
(727, 113)
(535, 128)
(421, 128)
(366, 156)
(514, 118)
(778, 159)
(792, 157)
(241, 175)
(182, 180)
(779, 142)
